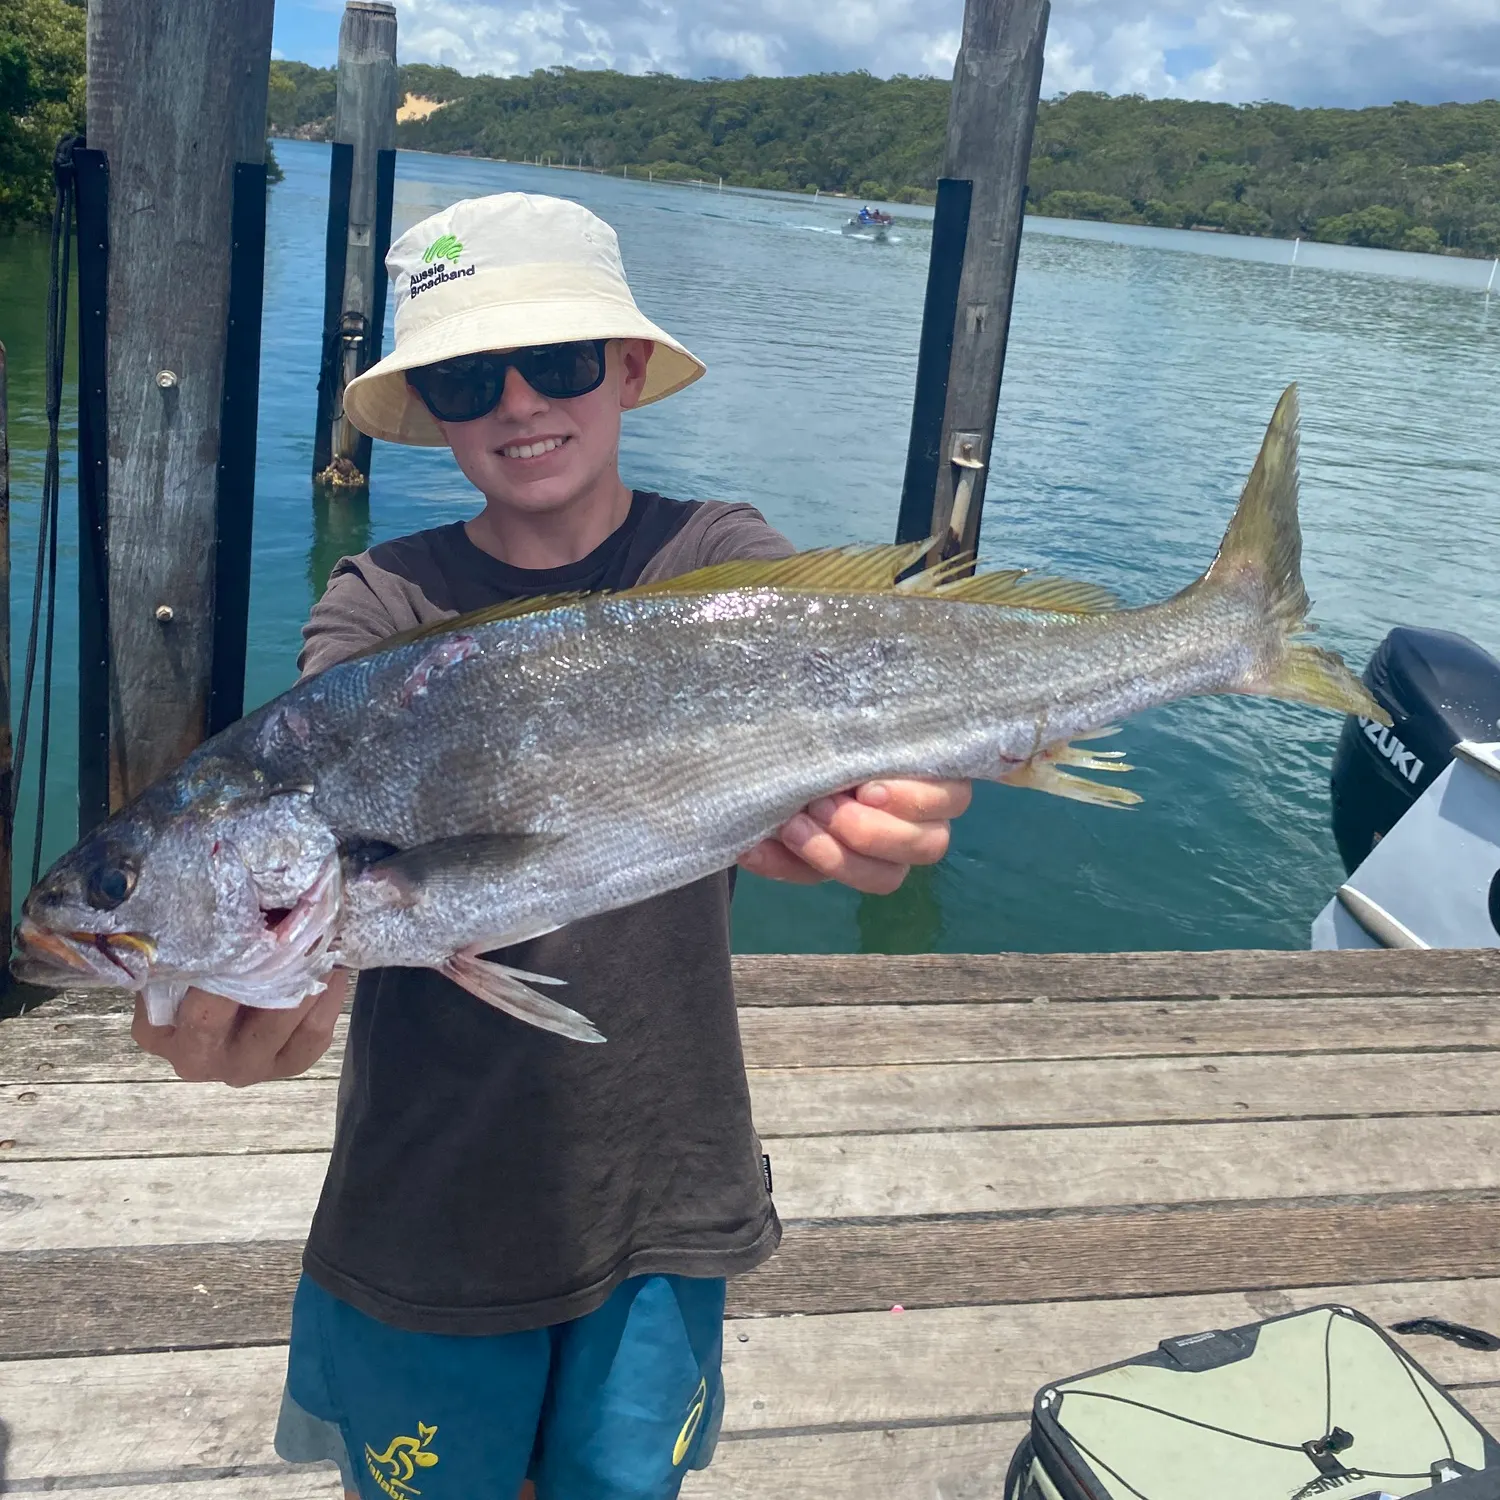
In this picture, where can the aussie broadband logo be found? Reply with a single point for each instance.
(441, 259)
(1403, 762)
(446, 247)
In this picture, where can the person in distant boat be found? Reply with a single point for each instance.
(516, 1271)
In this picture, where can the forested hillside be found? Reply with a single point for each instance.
(1415, 177)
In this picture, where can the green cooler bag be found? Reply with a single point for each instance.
(1316, 1403)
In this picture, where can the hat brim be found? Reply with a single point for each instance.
(381, 404)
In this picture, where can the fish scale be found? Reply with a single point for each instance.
(475, 784)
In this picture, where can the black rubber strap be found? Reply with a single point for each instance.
(1457, 1333)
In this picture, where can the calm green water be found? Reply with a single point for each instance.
(1143, 366)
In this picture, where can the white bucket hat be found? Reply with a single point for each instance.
(506, 272)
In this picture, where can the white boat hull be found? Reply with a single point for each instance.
(1434, 880)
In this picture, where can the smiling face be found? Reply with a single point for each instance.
(533, 455)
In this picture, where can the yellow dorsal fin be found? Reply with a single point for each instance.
(512, 609)
(1020, 590)
(829, 570)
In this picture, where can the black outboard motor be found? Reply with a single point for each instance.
(1439, 688)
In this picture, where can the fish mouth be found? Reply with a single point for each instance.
(81, 958)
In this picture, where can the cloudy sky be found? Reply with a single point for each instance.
(1347, 52)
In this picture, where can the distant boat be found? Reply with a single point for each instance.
(874, 223)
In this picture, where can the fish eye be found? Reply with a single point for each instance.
(109, 885)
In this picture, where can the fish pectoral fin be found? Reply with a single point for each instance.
(414, 872)
(508, 989)
(1042, 773)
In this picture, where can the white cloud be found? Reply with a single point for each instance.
(1349, 52)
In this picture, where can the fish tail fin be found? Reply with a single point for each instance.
(1262, 553)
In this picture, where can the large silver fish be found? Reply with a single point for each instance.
(479, 783)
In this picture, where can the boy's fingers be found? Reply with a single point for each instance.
(835, 860)
(878, 834)
(195, 1043)
(772, 860)
(918, 801)
(313, 1034)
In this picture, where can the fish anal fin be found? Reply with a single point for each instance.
(1043, 773)
(506, 989)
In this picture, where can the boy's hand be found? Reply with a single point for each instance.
(215, 1040)
(868, 838)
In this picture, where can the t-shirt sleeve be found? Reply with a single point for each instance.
(740, 532)
(348, 619)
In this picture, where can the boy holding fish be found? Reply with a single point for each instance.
(516, 1270)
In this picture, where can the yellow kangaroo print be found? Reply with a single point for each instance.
(400, 1462)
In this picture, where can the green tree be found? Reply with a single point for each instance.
(41, 99)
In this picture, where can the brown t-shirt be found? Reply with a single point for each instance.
(488, 1177)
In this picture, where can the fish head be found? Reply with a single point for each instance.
(240, 896)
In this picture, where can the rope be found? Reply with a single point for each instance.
(59, 269)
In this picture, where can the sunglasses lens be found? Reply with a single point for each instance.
(459, 390)
(562, 370)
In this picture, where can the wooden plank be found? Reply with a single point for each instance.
(56, 1121)
(966, 1462)
(286, 1482)
(108, 1300)
(946, 978)
(169, 1200)
(846, 1177)
(48, 1205)
(937, 1365)
(945, 1463)
(97, 1049)
(764, 979)
(855, 1036)
(92, 1120)
(85, 1049)
(150, 1414)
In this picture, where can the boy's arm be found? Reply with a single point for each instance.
(214, 1040)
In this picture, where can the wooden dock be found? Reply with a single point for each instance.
(1048, 1162)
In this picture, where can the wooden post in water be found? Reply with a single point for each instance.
(991, 118)
(361, 183)
(177, 102)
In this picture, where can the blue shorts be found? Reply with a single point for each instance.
(615, 1405)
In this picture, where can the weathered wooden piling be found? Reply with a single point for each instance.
(991, 119)
(177, 103)
(361, 185)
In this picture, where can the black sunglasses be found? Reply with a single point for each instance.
(470, 387)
